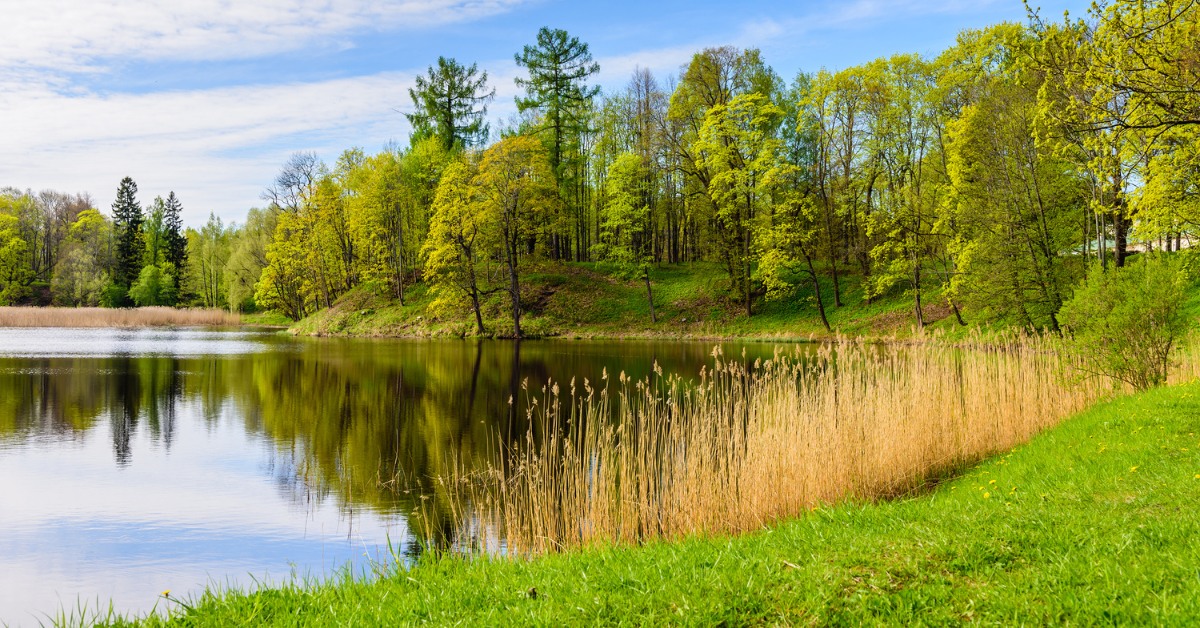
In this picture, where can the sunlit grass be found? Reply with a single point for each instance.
(748, 445)
(104, 317)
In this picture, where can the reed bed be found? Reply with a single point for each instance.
(105, 317)
(749, 444)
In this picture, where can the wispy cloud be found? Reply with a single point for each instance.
(216, 148)
(78, 35)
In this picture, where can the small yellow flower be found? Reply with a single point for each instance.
(987, 495)
(1133, 469)
(991, 482)
(166, 593)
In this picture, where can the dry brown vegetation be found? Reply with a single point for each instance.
(748, 445)
(103, 317)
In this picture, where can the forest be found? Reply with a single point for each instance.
(992, 178)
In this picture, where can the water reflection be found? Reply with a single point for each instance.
(360, 428)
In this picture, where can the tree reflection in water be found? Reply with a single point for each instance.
(370, 424)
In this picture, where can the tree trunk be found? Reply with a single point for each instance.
(1121, 235)
(812, 274)
(478, 316)
(917, 296)
(650, 297)
(957, 313)
(514, 291)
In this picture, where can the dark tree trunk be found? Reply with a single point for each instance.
(650, 298)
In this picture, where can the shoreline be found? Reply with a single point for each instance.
(998, 539)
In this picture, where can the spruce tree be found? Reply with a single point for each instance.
(127, 227)
(176, 241)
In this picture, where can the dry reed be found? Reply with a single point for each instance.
(103, 317)
(747, 445)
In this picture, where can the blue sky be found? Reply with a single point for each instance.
(209, 97)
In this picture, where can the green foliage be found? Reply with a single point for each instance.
(1127, 323)
(114, 295)
(82, 273)
(560, 103)
(175, 242)
(451, 105)
(1012, 214)
(739, 148)
(515, 183)
(127, 228)
(208, 252)
(154, 232)
(977, 181)
(559, 66)
(15, 273)
(155, 286)
(624, 219)
(247, 258)
(457, 240)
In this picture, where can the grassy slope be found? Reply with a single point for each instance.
(586, 300)
(1093, 522)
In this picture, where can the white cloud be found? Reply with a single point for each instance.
(77, 35)
(216, 148)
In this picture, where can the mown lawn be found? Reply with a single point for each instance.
(1094, 522)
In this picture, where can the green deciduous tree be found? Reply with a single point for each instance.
(154, 232)
(154, 286)
(1013, 212)
(15, 271)
(516, 188)
(626, 233)
(208, 249)
(739, 148)
(82, 271)
(458, 235)
(248, 257)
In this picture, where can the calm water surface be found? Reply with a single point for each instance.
(134, 462)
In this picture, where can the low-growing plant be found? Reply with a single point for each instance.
(1127, 323)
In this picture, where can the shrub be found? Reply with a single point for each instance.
(154, 286)
(1126, 323)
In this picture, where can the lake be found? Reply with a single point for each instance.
(135, 462)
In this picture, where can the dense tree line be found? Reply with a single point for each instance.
(985, 177)
(57, 248)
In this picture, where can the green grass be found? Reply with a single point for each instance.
(589, 300)
(266, 319)
(1094, 522)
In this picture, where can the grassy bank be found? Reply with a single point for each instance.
(104, 317)
(1092, 522)
(588, 301)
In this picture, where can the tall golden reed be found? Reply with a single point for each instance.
(747, 445)
(104, 317)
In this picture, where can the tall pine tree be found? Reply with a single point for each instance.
(127, 227)
(451, 105)
(559, 66)
(176, 242)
